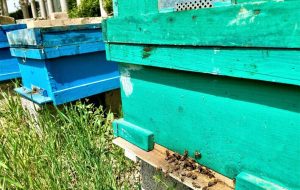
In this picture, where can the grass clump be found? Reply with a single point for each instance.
(72, 149)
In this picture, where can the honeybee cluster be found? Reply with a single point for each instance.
(189, 168)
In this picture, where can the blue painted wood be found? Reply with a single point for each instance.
(9, 68)
(54, 52)
(63, 64)
(55, 36)
(68, 78)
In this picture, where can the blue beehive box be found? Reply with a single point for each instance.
(9, 68)
(63, 63)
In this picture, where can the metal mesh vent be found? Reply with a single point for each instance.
(193, 4)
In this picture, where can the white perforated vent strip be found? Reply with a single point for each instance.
(194, 4)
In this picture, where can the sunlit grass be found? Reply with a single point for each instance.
(71, 150)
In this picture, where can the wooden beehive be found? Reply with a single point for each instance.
(221, 78)
(62, 61)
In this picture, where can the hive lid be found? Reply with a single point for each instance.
(56, 38)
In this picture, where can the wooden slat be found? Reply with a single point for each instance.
(156, 158)
(55, 36)
(272, 65)
(264, 24)
(52, 52)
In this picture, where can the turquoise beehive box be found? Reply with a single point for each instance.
(217, 77)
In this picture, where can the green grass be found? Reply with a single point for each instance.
(70, 149)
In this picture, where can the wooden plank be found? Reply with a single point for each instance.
(136, 7)
(156, 158)
(135, 134)
(272, 65)
(53, 52)
(264, 24)
(55, 36)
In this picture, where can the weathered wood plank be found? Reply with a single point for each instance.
(273, 65)
(56, 36)
(156, 158)
(263, 24)
(53, 52)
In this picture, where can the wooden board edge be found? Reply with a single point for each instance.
(156, 158)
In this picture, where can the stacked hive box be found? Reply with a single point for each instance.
(9, 68)
(222, 80)
(60, 64)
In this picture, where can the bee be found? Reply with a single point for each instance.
(176, 168)
(182, 179)
(177, 156)
(168, 153)
(198, 155)
(212, 183)
(172, 160)
(158, 169)
(196, 185)
(186, 154)
(194, 176)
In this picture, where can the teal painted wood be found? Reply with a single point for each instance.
(136, 7)
(55, 36)
(247, 25)
(237, 125)
(143, 137)
(222, 81)
(273, 65)
(148, 7)
(247, 181)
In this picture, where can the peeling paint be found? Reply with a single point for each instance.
(244, 17)
(216, 71)
(125, 78)
(216, 51)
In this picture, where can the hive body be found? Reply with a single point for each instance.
(63, 64)
(223, 81)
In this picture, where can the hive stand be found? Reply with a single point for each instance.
(9, 68)
(61, 64)
(154, 163)
(220, 78)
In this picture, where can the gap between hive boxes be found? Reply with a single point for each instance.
(156, 158)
